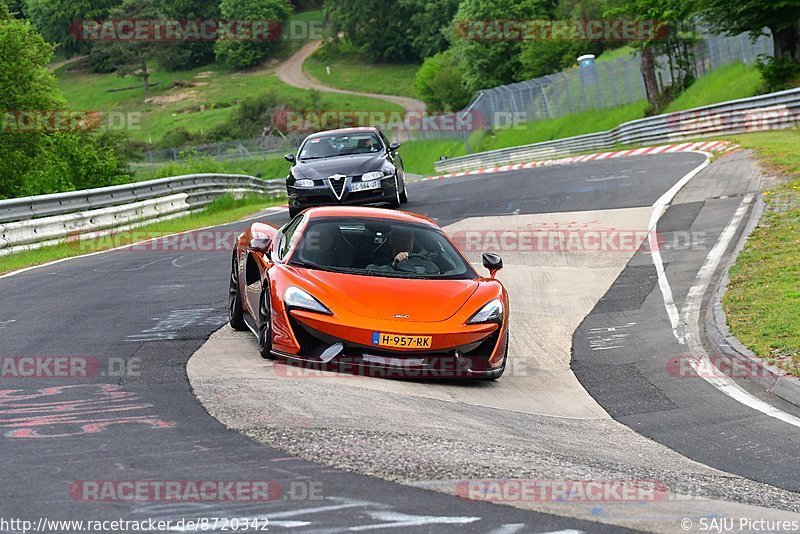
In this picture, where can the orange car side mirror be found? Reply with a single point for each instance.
(262, 245)
(493, 262)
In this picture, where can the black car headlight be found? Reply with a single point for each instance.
(492, 312)
(374, 175)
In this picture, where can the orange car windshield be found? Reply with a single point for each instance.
(380, 248)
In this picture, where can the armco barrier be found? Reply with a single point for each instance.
(33, 222)
(774, 111)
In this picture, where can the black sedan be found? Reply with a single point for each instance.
(350, 166)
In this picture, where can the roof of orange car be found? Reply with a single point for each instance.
(367, 213)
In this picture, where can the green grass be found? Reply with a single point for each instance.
(730, 82)
(763, 298)
(350, 70)
(223, 210)
(205, 98)
(262, 167)
(419, 156)
(207, 103)
(566, 126)
(610, 55)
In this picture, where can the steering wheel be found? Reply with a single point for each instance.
(414, 263)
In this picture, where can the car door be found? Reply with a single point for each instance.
(255, 285)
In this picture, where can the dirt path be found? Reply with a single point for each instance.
(55, 66)
(291, 73)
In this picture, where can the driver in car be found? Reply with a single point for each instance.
(402, 244)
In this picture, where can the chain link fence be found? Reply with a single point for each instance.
(605, 84)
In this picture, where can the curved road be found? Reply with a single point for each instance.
(134, 317)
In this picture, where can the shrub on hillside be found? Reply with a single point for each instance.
(241, 54)
(440, 85)
(779, 73)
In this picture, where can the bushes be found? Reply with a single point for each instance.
(778, 73)
(240, 53)
(39, 160)
(440, 85)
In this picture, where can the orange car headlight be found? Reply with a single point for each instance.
(492, 312)
(298, 298)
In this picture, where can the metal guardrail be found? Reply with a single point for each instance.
(32, 222)
(197, 186)
(774, 111)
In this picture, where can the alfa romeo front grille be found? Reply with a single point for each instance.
(338, 186)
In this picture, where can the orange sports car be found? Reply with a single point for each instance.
(370, 291)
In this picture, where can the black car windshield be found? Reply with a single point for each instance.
(374, 247)
(348, 144)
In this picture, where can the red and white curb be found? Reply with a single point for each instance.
(708, 146)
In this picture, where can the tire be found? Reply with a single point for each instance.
(404, 194)
(235, 311)
(494, 375)
(265, 328)
(396, 201)
(294, 212)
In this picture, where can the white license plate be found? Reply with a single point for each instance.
(364, 186)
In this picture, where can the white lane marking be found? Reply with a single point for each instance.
(171, 326)
(398, 520)
(4, 324)
(608, 338)
(509, 528)
(269, 211)
(289, 524)
(691, 319)
(658, 209)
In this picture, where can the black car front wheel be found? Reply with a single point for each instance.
(396, 200)
(404, 194)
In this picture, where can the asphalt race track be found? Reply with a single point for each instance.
(588, 405)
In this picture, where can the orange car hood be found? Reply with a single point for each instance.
(382, 297)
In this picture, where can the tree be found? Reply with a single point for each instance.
(487, 57)
(440, 85)
(427, 24)
(54, 18)
(240, 53)
(781, 17)
(38, 161)
(189, 54)
(131, 57)
(378, 27)
(670, 13)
